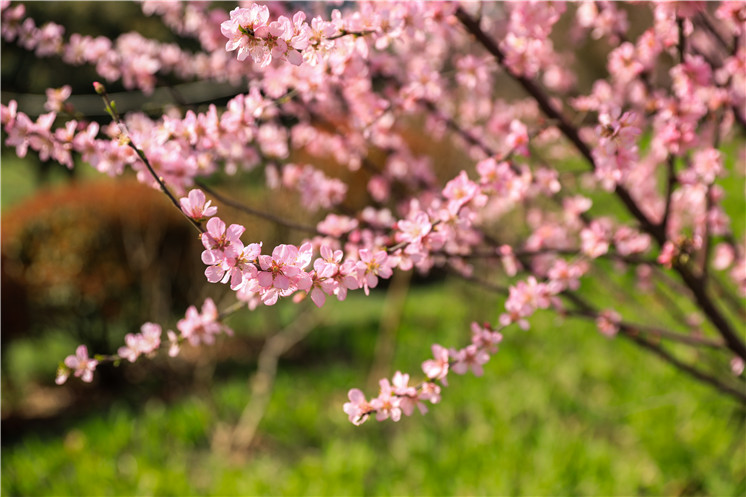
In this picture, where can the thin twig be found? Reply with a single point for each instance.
(479, 281)
(656, 349)
(632, 333)
(653, 331)
(702, 20)
(263, 380)
(255, 212)
(455, 127)
(126, 135)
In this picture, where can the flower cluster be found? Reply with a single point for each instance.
(398, 397)
(316, 189)
(201, 327)
(145, 342)
(249, 31)
(197, 207)
(196, 328)
(80, 364)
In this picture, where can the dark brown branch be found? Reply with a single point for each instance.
(355, 34)
(709, 308)
(632, 333)
(681, 48)
(671, 183)
(655, 230)
(656, 349)
(707, 239)
(654, 331)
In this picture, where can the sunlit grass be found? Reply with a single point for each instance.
(560, 410)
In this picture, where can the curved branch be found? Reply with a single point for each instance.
(739, 394)
(111, 109)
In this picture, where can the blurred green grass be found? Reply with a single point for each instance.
(560, 410)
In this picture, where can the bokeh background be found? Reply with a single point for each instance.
(86, 259)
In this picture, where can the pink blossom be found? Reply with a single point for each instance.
(617, 147)
(413, 229)
(470, 357)
(629, 241)
(723, 256)
(565, 276)
(335, 225)
(472, 72)
(316, 189)
(81, 365)
(547, 180)
(131, 350)
(202, 327)
(523, 54)
(56, 97)
(241, 31)
(608, 322)
(218, 237)
(608, 21)
(173, 341)
(708, 164)
(737, 366)
(460, 190)
(594, 240)
(517, 139)
(732, 13)
(437, 369)
(386, 404)
(623, 64)
(484, 337)
(49, 39)
(408, 395)
(357, 408)
(346, 279)
(195, 206)
(285, 268)
(145, 342)
(524, 298)
(63, 373)
(372, 265)
(430, 391)
(667, 254)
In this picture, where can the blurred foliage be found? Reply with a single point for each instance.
(87, 263)
(104, 245)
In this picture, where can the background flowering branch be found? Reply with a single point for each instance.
(325, 119)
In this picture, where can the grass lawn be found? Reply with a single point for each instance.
(560, 410)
